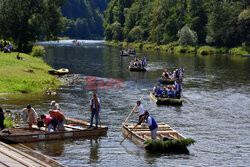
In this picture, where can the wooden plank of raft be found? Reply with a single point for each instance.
(158, 132)
(72, 127)
(143, 127)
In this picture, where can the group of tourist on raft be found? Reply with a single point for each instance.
(139, 62)
(54, 119)
(126, 52)
(176, 74)
(170, 91)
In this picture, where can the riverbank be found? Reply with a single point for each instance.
(174, 47)
(24, 76)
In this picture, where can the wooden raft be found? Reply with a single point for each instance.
(73, 129)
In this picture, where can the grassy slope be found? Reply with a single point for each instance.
(15, 75)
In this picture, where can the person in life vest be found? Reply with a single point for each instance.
(140, 111)
(151, 123)
(94, 109)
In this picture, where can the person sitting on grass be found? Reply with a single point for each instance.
(2, 118)
(19, 57)
(49, 122)
(32, 115)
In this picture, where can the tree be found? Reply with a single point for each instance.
(187, 36)
(136, 34)
(23, 21)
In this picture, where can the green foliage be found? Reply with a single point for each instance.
(38, 51)
(222, 23)
(26, 21)
(136, 34)
(206, 50)
(8, 123)
(238, 51)
(187, 36)
(85, 18)
(169, 146)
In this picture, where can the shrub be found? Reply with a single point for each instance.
(238, 51)
(38, 51)
(206, 50)
(8, 123)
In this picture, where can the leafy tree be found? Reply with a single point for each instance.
(187, 36)
(23, 21)
(136, 33)
(116, 31)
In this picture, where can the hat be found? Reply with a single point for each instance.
(52, 102)
(28, 106)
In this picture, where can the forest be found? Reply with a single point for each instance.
(84, 18)
(221, 23)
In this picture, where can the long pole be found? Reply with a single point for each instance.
(131, 111)
(132, 129)
(187, 99)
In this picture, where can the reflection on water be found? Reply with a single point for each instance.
(94, 148)
(217, 116)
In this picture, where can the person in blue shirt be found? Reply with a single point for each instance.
(164, 92)
(158, 92)
(151, 123)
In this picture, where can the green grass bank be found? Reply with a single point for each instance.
(25, 76)
(174, 47)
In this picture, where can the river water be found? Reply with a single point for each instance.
(216, 114)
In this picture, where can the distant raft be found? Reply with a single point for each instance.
(136, 68)
(166, 101)
(124, 53)
(166, 81)
(61, 71)
(168, 140)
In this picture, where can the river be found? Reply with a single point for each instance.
(216, 114)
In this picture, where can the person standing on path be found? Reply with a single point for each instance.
(140, 111)
(94, 109)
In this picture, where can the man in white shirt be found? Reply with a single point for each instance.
(55, 105)
(140, 111)
(32, 115)
(94, 109)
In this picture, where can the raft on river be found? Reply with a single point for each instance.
(136, 68)
(73, 129)
(165, 101)
(166, 81)
(61, 71)
(174, 141)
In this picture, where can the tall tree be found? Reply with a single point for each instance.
(22, 21)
